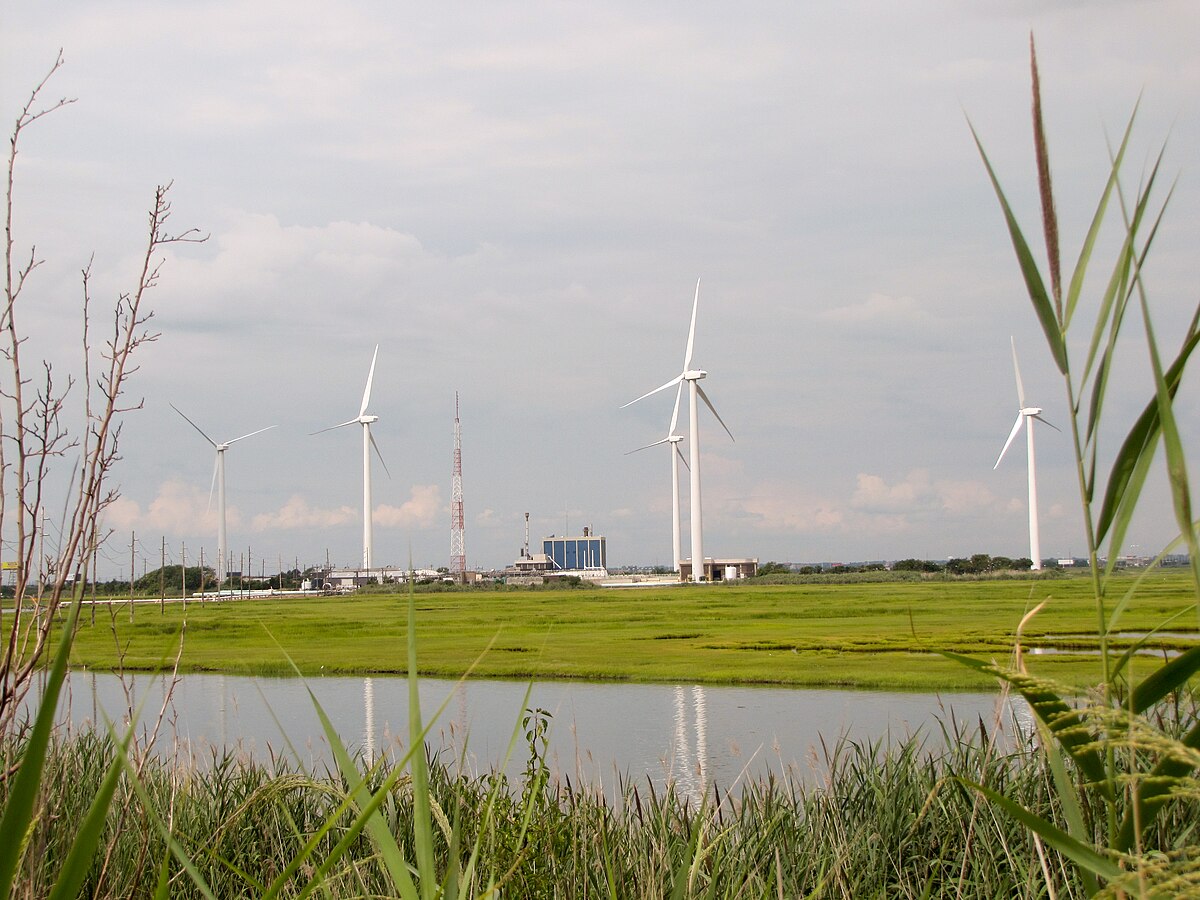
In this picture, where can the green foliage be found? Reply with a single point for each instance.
(1114, 764)
(172, 578)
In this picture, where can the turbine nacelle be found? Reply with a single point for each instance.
(694, 375)
(367, 420)
(1032, 411)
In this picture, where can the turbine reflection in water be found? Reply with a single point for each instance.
(369, 720)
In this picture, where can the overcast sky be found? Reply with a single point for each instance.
(515, 200)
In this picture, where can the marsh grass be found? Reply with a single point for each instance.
(885, 821)
(877, 635)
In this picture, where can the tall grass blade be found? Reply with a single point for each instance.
(18, 808)
(381, 837)
(1077, 851)
(1062, 720)
(1176, 459)
(422, 818)
(1133, 460)
(83, 848)
(1156, 788)
(173, 846)
(1089, 242)
(1034, 285)
(1169, 677)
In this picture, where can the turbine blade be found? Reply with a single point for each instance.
(647, 446)
(213, 485)
(370, 377)
(1017, 371)
(675, 411)
(682, 458)
(708, 403)
(678, 379)
(375, 446)
(331, 427)
(1051, 424)
(251, 434)
(1011, 436)
(194, 425)
(687, 356)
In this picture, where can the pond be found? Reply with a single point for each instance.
(690, 734)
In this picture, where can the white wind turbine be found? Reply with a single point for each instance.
(673, 440)
(219, 482)
(1025, 415)
(693, 377)
(368, 442)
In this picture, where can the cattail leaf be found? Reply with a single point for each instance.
(1034, 284)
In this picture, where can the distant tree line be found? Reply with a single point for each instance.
(976, 564)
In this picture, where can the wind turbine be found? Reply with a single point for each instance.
(219, 481)
(673, 440)
(693, 377)
(1025, 415)
(368, 442)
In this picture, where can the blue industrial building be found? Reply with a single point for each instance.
(586, 551)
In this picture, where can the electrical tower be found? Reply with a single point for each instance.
(458, 544)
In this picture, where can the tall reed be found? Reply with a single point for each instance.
(1117, 772)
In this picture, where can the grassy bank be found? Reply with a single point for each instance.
(871, 635)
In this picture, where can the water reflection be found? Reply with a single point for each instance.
(688, 734)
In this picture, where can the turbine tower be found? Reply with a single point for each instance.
(695, 392)
(219, 482)
(458, 542)
(368, 443)
(673, 440)
(1025, 415)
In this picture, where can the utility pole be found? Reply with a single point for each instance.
(183, 565)
(458, 546)
(201, 574)
(162, 578)
(132, 563)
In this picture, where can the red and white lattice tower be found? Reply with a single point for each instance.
(458, 537)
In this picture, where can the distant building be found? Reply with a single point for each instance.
(721, 569)
(587, 551)
(584, 555)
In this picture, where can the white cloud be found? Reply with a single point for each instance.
(177, 507)
(297, 513)
(423, 509)
(879, 310)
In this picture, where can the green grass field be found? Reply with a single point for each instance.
(875, 635)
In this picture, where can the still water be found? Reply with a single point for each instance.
(688, 733)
